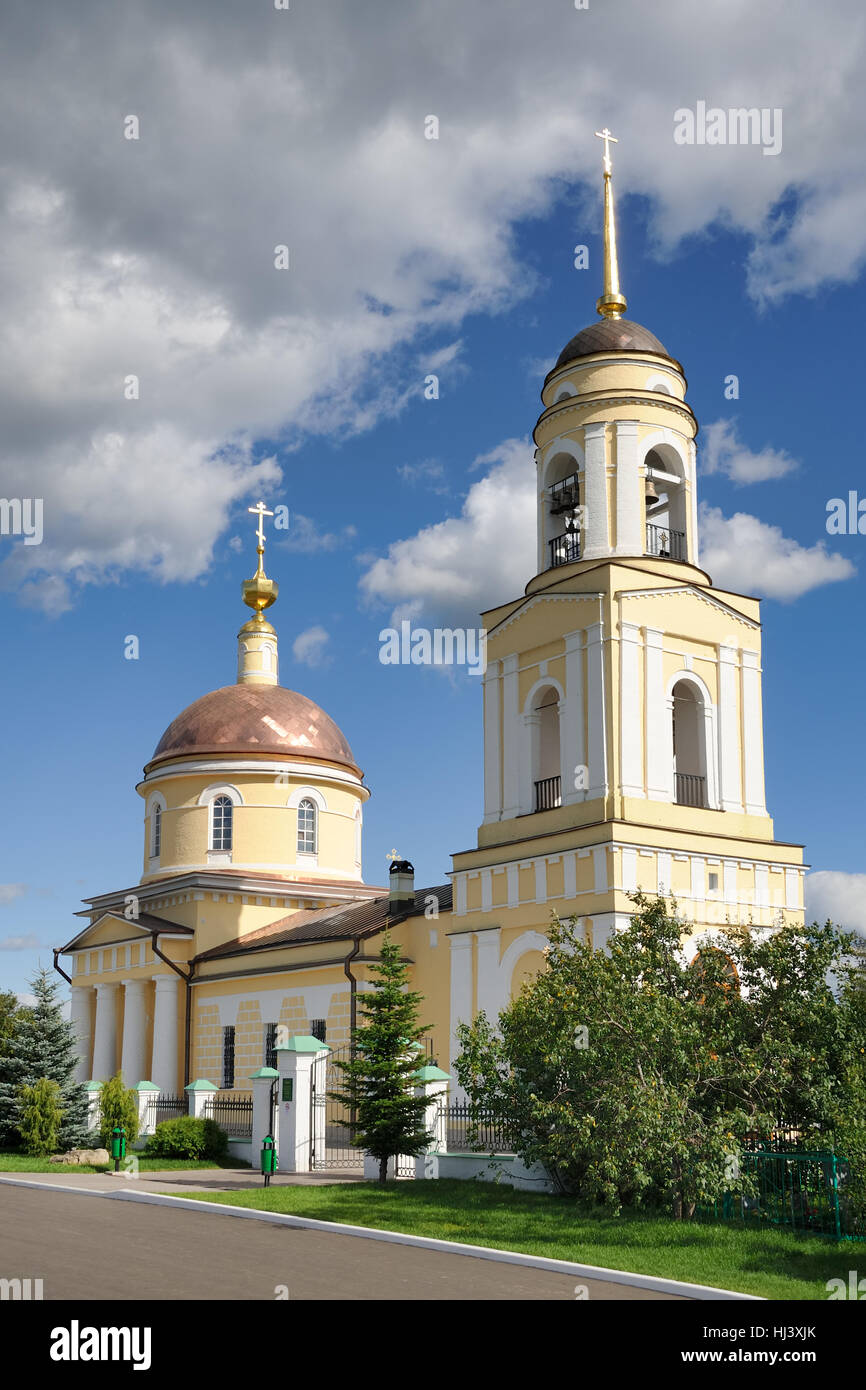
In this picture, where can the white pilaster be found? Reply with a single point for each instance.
(599, 867)
(628, 536)
(596, 532)
(82, 1000)
(492, 743)
(631, 750)
(164, 1066)
(132, 1062)
(658, 731)
(461, 987)
(753, 736)
(573, 750)
(295, 1062)
(511, 732)
(730, 790)
(596, 713)
(105, 1033)
(489, 992)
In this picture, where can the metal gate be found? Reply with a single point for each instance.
(330, 1136)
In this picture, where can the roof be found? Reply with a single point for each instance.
(266, 719)
(145, 921)
(343, 923)
(611, 335)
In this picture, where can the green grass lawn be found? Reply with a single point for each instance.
(22, 1163)
(771, 1263)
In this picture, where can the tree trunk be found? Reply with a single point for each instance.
(383, 1170)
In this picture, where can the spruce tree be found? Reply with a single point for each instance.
(386, 1117)
(42, 1044)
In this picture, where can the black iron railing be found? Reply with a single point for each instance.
(548, 793)
(564, 495)
(691, 789)
(233, 1112)
(665, 544)
(564, 549)
(163, 1107)
(468, 1130)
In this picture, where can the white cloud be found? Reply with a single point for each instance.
(748, 556)
(20, 943)
(724, 452)
(10, 891)
(305, 536)
(156, 257)
(310, 647)
(841, 897)
(429, 472)
(456, 568)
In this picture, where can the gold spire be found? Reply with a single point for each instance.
(612, 304)
(257, 639)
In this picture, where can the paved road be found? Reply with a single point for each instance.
(65, 1239)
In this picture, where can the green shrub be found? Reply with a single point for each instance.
(39, 1116)
(117, 1106)
(188, 1137)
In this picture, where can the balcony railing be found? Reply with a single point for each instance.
(564, 495)
(691, 789)
(548, 793)
(564, 549)
(665, 544)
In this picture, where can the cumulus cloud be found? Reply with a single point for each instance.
(310, 647)
(724, 452)
(154, 257)
(841, 897)
(10, 891)
(456, 568)
(747, 555)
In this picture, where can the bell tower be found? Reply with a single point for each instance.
(623, 727)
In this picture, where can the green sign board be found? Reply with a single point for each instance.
(288, 1082)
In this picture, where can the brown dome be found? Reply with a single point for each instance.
(265, 719)
(611, 335)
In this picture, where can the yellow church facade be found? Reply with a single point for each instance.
(623, 750)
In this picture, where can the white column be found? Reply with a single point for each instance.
(530, 739)
(461, 988)
(658, 730)
(105, 1033)
(753, 735)
(295, 1062)
(489, 993)
(573, 751)
(82, 998)
(433, 1086)
(596, 713)
(132, 1063)
(628, 537)
(164, 1068)
(631, 750)
(510, 739)
(596, 532)
(694, 550)
(731, 791)
(265, 1082)
(492, 744)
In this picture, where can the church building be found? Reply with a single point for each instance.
(623, 749)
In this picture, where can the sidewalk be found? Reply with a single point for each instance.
(179, 1180)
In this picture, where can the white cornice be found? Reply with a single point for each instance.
(526, 604)
(309, 771)
(696, 593)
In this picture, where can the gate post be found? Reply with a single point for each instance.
(198, 1095)
(295, 1061)
(432, 1082)
(93, 1108)
(146, 1093)
(263, 1119)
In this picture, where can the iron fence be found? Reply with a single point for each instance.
(548, 793)
(469, 1130)
(233, 1112)
(807, 1192)
(164, 1107)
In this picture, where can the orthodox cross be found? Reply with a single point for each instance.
(606, 136)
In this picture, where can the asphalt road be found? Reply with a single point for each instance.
(66, 1239)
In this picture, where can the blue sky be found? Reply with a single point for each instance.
(309, 391)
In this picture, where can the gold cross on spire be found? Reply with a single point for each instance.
(261, 511)
(608, 139)
(393, 855)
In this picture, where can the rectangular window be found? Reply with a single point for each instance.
(271, 1045)
(714, 883)
(319, 1028)
(228, 1057)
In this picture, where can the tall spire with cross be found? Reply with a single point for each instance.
(257, 639)
(612, 304)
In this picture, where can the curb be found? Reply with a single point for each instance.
(482, 1252)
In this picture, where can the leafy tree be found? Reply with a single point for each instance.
(634, 1077)
(40, 1116)
(117, 1106)
(11, 1012)
(386, 1118)
(42, 1044)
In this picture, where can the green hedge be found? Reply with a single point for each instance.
(188, 1137)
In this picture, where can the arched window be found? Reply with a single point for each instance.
(666, 529)
(690, 768)
(546, 751)
(221, 823)
(563, 515)
(306, 827)
(156, 831)
(712, 966)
